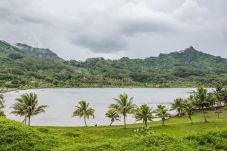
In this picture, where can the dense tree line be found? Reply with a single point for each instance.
(27, 67)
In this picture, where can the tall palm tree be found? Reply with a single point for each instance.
(2, 104)
(178, 105)
(83, 110)
(124, 105)
(113, 115)
(202, 100)
(162, 112)
(188, 108)
(144, 113)
(27, 105)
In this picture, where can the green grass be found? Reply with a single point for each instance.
(178, 127)
(178, 134)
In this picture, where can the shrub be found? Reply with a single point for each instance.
(16, 136)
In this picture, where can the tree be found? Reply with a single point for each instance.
(178, 105)
(83, 110)
(113, 115)
(27, 105)
(220, 98)
(144, 113)
(188, 109)
(162, 112)
(124, 105)
(2, 104)
(202, 100)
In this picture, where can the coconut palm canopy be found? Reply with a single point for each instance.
(113, 115)
(83, 110)
(144, 113)
(124, 105)
(27, 105)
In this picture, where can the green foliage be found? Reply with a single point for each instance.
(15, 136)
(178, 105)
(202, 100)
(144, 113)
(27, 105)
(124, 105)
(2, 104)
(162, 112)
(84, 110)
(113, 115)
(27, 67)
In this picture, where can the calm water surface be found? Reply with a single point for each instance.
(61, 103)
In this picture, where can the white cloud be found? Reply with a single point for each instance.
(78, 29)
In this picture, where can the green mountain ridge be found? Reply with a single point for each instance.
(27, 67)
(38, 52)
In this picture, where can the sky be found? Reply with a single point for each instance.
(80, 29)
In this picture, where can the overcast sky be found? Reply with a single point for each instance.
(78, 29)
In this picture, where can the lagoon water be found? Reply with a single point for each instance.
(61, 103)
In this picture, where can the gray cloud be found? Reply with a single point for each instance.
(78, 29)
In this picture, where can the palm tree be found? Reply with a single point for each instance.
(220, 95)
(144, 113)
(2, 104)
(178, 105)
(188, 108)
(162, 112)
(124, 105)
(113, 115)
(27, 105)
(202, 100)
(83, 110)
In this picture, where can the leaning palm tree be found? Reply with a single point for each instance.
(144, 113)
(178, 105)
(124, 105)
(188, 109)
(113, 115)
(202, 100)
(162, 112)
(83, 110)
(27, 106)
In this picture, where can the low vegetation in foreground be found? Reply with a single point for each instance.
(178, 134)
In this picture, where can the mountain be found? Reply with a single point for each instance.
(38, 52)
(27, 67)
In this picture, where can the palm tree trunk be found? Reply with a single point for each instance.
(25, 120)
(111, 122)
(29, 120)
(205, 119)
(124, 121)
(145, 123)
(163, 121)
(190, 118)
(85, 122)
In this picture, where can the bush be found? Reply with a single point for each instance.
(16, 136)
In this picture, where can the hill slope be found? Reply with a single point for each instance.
(25, 66)
(38, 52)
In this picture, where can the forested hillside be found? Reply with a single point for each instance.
(24, 66)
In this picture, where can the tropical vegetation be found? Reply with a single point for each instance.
(162, 112)
(1, 104)
(27, 106)
(23, 66)
(113, 115)
(124, 105)
(84, 110)
(144, 113)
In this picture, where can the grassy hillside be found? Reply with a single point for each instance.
(23, 66)
(178, 134)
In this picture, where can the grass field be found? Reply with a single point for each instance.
(178, 134)
(177, 127)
